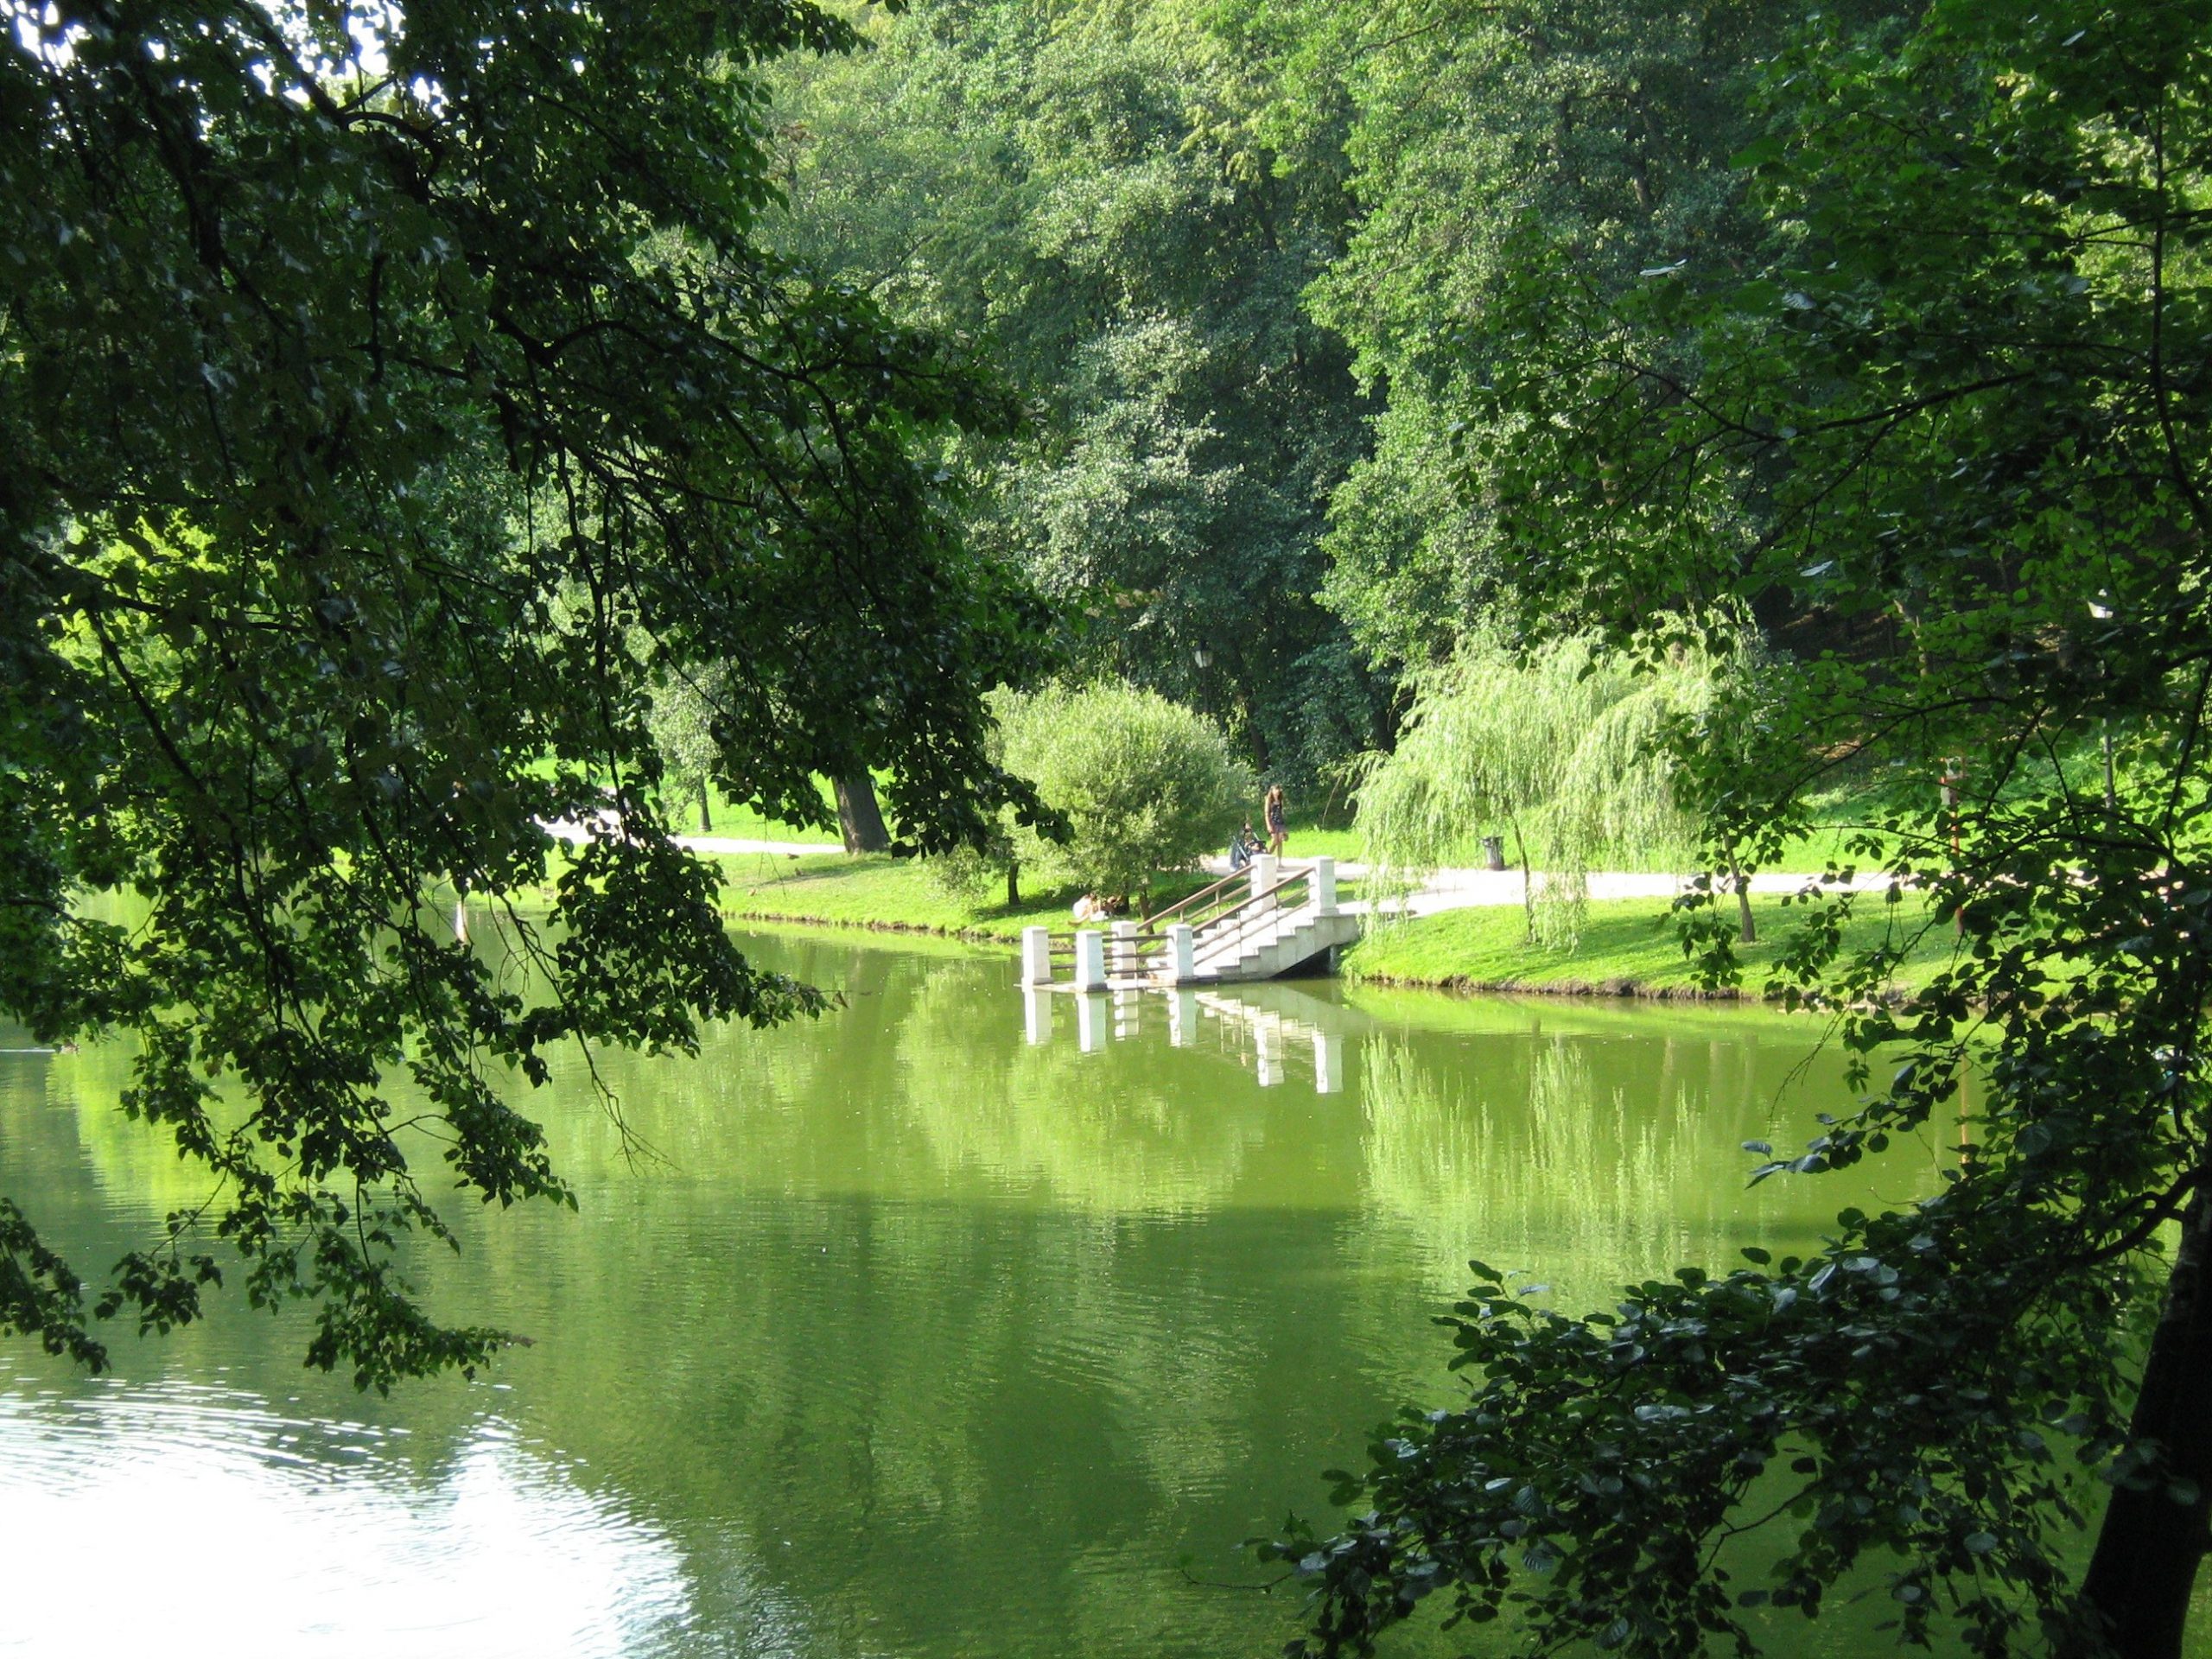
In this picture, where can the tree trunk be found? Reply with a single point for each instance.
(1013, 884)
(858, 816)
(1528, 882)
(706, 813)
(1747, 932)
(2149, 1547)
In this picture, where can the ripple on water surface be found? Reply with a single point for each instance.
(110, 1494)
(948, 1325)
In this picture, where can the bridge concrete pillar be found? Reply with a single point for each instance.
(1036, 956)
(1182, 954)
(1089, 960)
(1325, 887)
(1267, 870)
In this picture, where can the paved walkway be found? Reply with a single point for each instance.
(1451, 889)
(1462, 889)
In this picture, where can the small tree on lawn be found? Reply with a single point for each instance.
(1147, 786)
(968, 872)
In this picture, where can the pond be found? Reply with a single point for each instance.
(952, 1324)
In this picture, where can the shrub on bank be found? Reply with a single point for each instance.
(1147, 787)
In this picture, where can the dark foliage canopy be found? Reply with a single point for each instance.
(391, 399)
(1954, 420)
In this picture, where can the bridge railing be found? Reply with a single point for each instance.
(1221, 918)
(1256, 888)
(1230, 925)
(1129, 949)
(1203, 905)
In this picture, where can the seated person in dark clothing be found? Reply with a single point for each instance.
(1244, 847)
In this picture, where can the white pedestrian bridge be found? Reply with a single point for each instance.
(1266, 921)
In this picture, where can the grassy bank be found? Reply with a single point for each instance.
(1629, 947)
(872, 890)
(875, 890)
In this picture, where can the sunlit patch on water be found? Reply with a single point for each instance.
(117, 1504)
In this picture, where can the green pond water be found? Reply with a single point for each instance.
(956, 1322)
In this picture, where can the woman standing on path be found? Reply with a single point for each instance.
(1278, 819)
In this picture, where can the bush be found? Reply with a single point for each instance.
(1147, 786)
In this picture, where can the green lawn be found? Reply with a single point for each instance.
(875, 890)
(1628, 945)
(742, 823)
(1838, 814)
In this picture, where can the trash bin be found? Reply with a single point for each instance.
(1494, 850)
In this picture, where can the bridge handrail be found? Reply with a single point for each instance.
(1133, 956)
(1241, 917)
(1204, 908)
(1223, 912)
(1161, 921)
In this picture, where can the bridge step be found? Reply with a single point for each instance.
(1289, 917)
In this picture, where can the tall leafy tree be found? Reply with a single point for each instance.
(1599, 130)
(369, 379)
(1086, 191)
(1955, 422)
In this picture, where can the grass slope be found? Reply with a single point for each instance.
(1629, 947)
(875, 890)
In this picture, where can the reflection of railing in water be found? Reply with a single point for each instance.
(1270, 1041)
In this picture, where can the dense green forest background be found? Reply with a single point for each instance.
(1236, 257)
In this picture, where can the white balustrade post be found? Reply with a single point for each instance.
(1182, 1017)
(1182, 954)
(1325, 887)
(1037, 1015)
(1089, 960)
(1124, 960)
(1267, 870)
(1036, 956)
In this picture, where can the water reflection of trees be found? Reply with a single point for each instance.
(922, 1328)
(1588, 1163)
(1134, 1127)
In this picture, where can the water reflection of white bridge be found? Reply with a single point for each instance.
(1274, 1031)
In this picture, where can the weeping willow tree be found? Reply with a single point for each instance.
(1558, 750)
